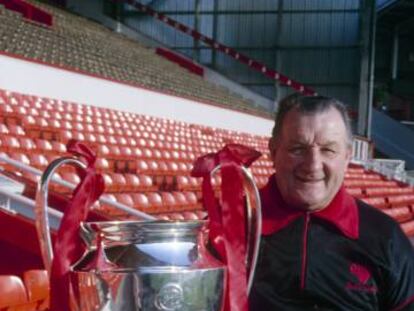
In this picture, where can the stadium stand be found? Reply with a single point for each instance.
(81, 45)
(146, 161)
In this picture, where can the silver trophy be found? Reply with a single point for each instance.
(151, 265)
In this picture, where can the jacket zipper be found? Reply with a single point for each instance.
(305, 251)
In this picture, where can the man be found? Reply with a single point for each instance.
(321, 249)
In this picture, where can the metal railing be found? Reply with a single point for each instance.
(362, 153)
(362, 149)
(103, 199)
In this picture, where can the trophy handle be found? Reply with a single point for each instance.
(254, 222)
(42, 219)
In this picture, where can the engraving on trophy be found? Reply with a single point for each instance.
(170, 297)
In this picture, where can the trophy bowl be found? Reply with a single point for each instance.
(148, 265)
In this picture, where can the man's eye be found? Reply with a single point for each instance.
(328, 150)
(297, 150)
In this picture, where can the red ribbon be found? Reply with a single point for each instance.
(69, 247)
(227, 233)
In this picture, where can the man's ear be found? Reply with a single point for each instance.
(272, 149)
(271, 146)
(349, 154)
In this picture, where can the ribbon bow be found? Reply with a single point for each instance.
(68, 247)
(227, 223)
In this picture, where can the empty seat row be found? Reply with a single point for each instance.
(366, 183)
(144, 166)
(380, 191)
(156, 202)
(29, 294)
(390, 201)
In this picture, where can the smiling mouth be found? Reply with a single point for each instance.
(309, 180)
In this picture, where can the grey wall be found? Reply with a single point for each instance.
(316, 42)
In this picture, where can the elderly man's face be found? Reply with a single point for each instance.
(311, 155)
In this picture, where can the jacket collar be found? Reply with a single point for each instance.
(342, 212)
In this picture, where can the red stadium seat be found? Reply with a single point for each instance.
(6, 109)
(78, 127)
(400, 214)
(190, 216)
(153, 168)
(136, 152)
(65, 136)
(10, 143)
(109, 184)
(163, 217)
(201, 214)
(111, 139)
(376, 201)
(20, 157)
(155, 201)
(102, 165)
(90, 138)
(121, 141)
(408, 228)
(119, 182)
(37, 286)
(78, 136)
(114, 151)
(142, 166)
(89, 128)
(169, 202)
(356, 192)
(191, 198)
(66, 125)
(27, 144)
(125, 152)
(183, 183)
(181, 200)
(4, 130)
(125, 199)
(401, 199)
(132, 182)
(38, 161)
(131, 142)
(146, 182)
(173, 168)
(101, 139)
(12, 291)
(58, 147)
(147, 153)
(16, 130)
(43, 146)
(103, 151)
(71, 178)
(141, 201)
(176, 216)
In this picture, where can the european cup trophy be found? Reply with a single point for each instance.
(151, 265)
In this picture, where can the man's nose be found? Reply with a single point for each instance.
(313, 160)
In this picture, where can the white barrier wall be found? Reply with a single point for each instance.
(38, 79)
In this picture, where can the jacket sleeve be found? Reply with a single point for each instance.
(401, 273)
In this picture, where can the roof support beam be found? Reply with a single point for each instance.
(366, 84)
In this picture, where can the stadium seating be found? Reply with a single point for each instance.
(37, 287)
(146, 161)
(79, 44)
(13, 295)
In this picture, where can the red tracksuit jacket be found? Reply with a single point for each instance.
(348, 256)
